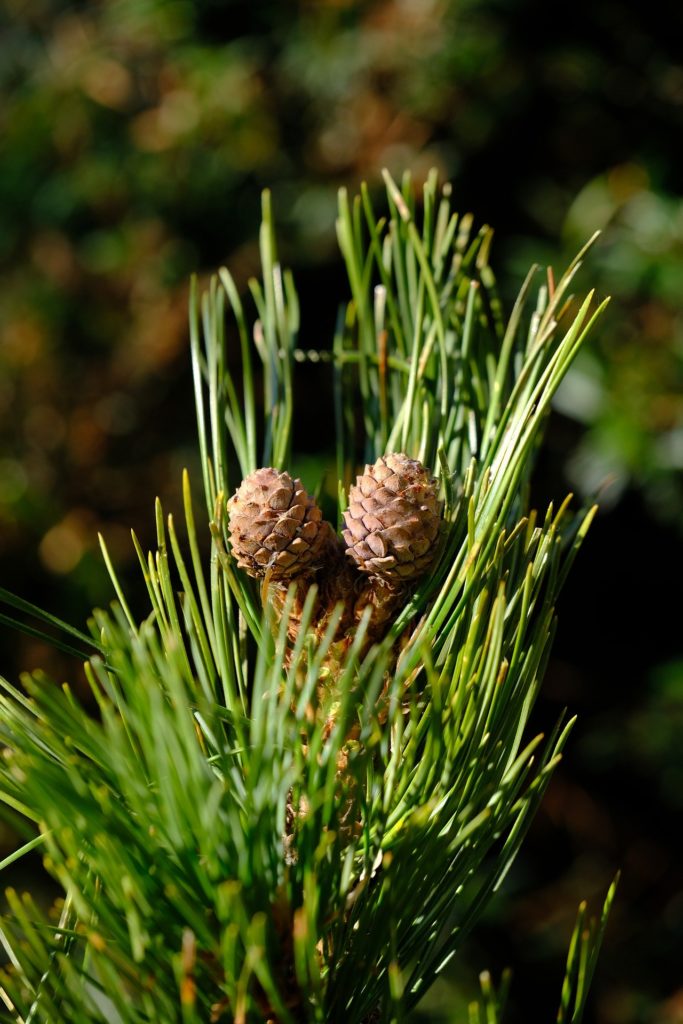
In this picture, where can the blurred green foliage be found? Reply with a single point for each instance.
(629, 390)
(135, 138)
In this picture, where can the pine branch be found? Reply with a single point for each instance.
(263, 823)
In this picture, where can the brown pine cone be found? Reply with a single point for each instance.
(275, 525)
(392, 521)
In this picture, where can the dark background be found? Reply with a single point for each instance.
(136, 138)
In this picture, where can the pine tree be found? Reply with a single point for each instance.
(302, 789)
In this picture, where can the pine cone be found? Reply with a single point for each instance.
(275, 525)
(393, 519)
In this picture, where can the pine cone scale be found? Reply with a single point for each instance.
(367, 486)
(377, 544)
(285, 560)
(280, 500)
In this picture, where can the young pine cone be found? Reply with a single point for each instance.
(392, 521)
(275, 525)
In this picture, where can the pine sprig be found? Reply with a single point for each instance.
(236, 839)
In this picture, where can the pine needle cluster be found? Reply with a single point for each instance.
(234, 840)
